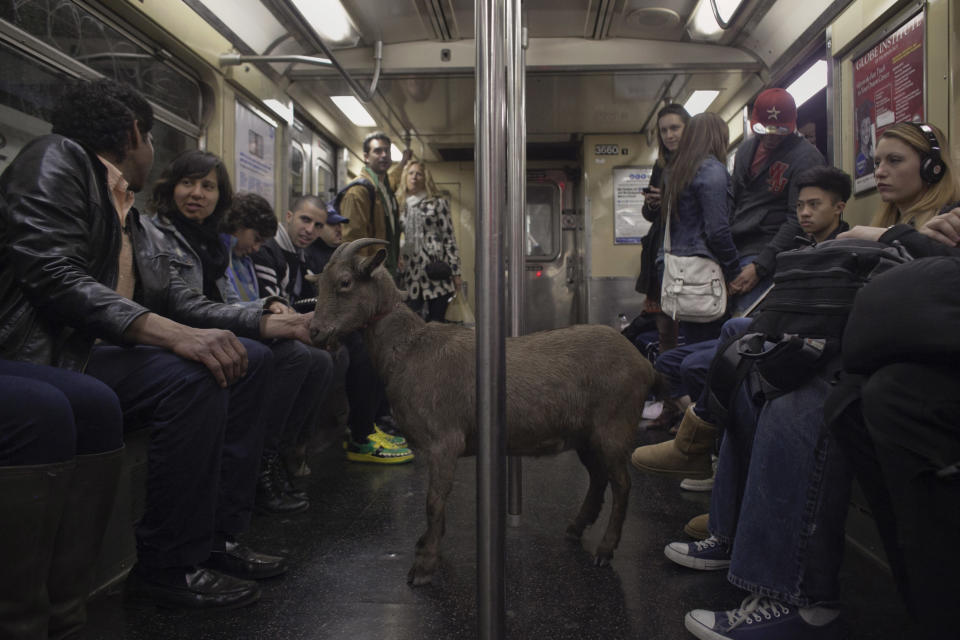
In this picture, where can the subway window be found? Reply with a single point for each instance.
(86, 46)
(76, 31)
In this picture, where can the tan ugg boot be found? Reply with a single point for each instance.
(687, 455)
(696, 528)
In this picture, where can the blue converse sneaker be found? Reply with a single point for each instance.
(705, 555)
(762, 618)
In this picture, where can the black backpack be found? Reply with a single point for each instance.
(797, 330)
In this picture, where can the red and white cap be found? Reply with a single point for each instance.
(774, 111)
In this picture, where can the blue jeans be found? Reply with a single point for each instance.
(205, 445)
(301, 378)
(780, 497)
(50, 415)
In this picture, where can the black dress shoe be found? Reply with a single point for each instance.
(243, 562)
(198, 588)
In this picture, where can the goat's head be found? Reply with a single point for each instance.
(352, 290)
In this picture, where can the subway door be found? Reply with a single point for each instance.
(553, 265)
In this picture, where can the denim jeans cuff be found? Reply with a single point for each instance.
(727, 540)
(756, 589)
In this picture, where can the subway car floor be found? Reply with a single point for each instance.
(351, 551)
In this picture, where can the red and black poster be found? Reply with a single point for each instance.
(887, 88)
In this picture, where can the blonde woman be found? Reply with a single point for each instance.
(430, 269)
(914, 176)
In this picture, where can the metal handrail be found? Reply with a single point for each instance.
(490, 118)
(314, 41)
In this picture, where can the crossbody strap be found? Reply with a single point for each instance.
(666, 232)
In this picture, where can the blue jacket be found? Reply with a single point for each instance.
(700, 223)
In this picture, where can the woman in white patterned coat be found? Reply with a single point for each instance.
(428, 239)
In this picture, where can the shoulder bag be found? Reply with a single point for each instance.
(693, 289)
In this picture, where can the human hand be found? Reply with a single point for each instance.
(745, 281)
(279, 308)
(863, 232)
(944, 228)
(294, 326)
(218, 350)
(652, 198)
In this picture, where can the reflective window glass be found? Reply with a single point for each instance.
(85, 37)
(542, 220)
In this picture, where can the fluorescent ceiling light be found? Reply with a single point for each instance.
(249, 19)
(699, 100)
(703, 24)
(328, 18)
(395, 152)
(726, 8)
(809, 83)
(352, 108)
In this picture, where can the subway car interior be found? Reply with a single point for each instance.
(285, 91)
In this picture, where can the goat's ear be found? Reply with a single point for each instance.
(374, 261)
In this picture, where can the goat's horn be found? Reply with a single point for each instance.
(350, 248)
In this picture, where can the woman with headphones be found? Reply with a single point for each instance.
(914, 176)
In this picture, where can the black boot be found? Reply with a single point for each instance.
(31, 501)
(283, 480)
(270, 498)
(86, 513)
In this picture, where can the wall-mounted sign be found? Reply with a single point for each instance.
(887, 88)
(629, 225)
(255, 142)
(606, 149)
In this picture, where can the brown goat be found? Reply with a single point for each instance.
(579, 388)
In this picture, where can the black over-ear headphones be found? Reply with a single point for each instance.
(932, 166)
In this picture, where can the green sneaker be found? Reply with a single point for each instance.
(384, 439)
(372, 452)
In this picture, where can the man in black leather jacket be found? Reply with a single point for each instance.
(68, 279)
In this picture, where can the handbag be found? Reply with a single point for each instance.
(693, 288)
(438, 270)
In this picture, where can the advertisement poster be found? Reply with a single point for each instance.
(255, 143)
(887, 88)
(629, 225)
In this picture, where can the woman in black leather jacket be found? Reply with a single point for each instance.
(189, 200)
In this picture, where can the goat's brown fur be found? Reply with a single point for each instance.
(579, 388)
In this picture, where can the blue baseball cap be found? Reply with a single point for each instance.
(333, 217)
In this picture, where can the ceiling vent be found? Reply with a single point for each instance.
(438, 18)
(600, 16)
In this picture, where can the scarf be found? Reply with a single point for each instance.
(204, 240)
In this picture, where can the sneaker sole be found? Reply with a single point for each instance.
(366, 457)
(681, 473)
(699, 630)
(700, 564)
(693, 484)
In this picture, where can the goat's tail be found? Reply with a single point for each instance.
(660, 387)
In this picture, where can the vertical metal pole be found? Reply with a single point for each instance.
(491, 385)
(516, 200)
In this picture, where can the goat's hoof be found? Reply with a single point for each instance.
(603, 559)
(417, 577)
